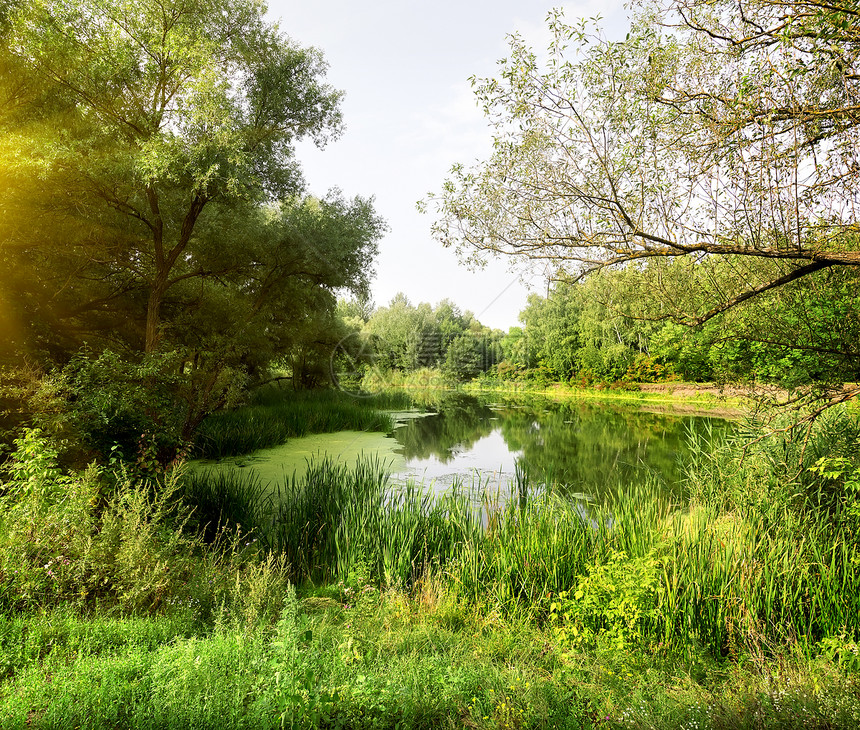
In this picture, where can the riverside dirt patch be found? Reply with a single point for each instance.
(692, 390)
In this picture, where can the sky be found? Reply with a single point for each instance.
(410, 115)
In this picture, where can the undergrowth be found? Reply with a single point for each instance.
(340, 601)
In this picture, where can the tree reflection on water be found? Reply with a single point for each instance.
(587, 447)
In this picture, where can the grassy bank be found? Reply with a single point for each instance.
(274, 415)
(344, 606)
(387, 661)
(705, 396)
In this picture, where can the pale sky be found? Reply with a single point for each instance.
(410, 115)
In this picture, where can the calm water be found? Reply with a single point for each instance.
(587, 447)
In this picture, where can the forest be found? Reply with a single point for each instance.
(173, 295)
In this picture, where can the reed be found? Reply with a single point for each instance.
(743, 570)
(335, 521)
(230, 501)
(741, 586)
(338, 521)
(769, 552)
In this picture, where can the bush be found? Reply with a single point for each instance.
(612, 607)
(648, 369)
(69, 539)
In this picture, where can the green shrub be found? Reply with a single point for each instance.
(648, 369)
(68, 539)
(115, 406)
(614, 606)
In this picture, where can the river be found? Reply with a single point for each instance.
(586, 448)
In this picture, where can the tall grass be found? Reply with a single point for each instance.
(727, 573)
(335, 522)
(769, 551)
(225, 502)
(275, 415)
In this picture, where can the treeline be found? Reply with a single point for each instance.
(610, 328)
(405, 338)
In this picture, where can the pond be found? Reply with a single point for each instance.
(586, 447)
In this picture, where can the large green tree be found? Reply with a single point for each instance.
(715, 129)
(134, 131)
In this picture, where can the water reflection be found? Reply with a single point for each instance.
(587, 447)
(457, 423)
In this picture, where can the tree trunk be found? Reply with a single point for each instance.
(164, 262)
(153, 312)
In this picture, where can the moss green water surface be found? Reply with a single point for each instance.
(276, 463)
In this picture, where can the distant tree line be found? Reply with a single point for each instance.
(606, 329)
(402, 337)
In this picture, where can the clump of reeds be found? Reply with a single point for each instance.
(743, 569)
(336, 518)
(226, 500)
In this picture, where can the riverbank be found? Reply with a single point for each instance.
(689, 398)
(360, 613)
(733, 397)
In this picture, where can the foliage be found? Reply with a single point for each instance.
(410, 338)
(139, 411)
(117, 543)
(610, 328)
(611, 606)
(212, 101)
(70, 539)
(575, 335)
(155, 216)
(464, 358)
(708, 156)
(678, 174)
(843, 474)
(114, 406)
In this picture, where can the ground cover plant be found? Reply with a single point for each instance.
(346, 604)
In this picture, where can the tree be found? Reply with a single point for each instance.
(146, 119)
(405, 337)
(464, 357)
(283, 268)
(715, 129)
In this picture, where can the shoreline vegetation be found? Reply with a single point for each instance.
(690, 195)
(150, 600)
(712, 398)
